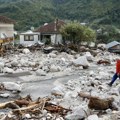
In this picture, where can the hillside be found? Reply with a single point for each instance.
(29, 13)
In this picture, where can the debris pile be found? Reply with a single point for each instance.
(26, 108)
(85, 97)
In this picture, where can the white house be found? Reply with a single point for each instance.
(50, 32)
(6, 29)
(29, 38)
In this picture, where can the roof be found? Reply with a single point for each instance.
(52, 27)
(29, 32)
(4, 19)
(111, 44)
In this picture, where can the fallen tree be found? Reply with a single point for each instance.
(97, 103)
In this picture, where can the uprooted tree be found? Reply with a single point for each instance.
(76, 33)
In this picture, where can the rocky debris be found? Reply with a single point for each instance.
(8, 70)
(92, 81)
(26, 108)
(12, 86)
(26, 51)
(81, 61)
(93, 117)
(40, 72)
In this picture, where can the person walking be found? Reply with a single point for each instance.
(117, 74)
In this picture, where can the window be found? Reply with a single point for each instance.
(28, 38)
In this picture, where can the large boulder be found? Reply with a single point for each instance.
(40, 73)
(8, 70)
(81, 61)
(12, 86)
(26, 51)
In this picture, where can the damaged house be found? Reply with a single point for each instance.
(6, 30)
(113, 46)
(50, 32)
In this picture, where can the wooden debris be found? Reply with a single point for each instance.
(26, 105)
(97, 103)
(106, 62)
(52, 108)
(100, 104)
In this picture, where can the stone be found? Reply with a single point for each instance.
(93, 117)
(12, 86)
(54, 68)
(26, 51)
(89, 56)
(2, 64)
(76, 115)
(40, 73)
(4, 95)
(52, 55)
(14, 63)
(8, 70)
(58, 90)
(81, 61)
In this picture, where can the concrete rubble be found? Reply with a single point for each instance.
(92, 80)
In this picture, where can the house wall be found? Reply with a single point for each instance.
(23, 42)
(57, 37)
(7, 29)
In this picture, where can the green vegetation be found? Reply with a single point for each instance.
(77, 33)
(98, 14)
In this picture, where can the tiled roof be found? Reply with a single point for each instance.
(52, 27)
(4, 19)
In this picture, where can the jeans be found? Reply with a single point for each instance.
(115, 76)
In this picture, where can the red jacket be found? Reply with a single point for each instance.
(118, 66)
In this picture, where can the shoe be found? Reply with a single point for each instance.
(110, 84)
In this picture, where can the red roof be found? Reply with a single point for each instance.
(4, 19)
(52, 27)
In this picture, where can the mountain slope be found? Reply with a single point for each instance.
(29, 13)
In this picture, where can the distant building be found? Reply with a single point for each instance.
(113, 47)
(6, 29)
(50, 32)
(29, 38)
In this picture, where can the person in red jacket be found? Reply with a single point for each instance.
(117, 74)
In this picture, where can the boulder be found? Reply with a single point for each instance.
(89, 56)
(78, 114)
(40, 73)
(26, 51)
(8, 70)
(93, 117)
(54, 68)
(14, 63)
(81, 61)
(59, 90)
(12, 86)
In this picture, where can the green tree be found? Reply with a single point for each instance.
(77, 33)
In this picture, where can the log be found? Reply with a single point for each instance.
(97, 103)
(4, 105)
(25, 108)
(100, 104)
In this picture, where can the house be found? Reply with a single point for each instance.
(29, 38)
(6, 30)
(50, 32)
(113, 46)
